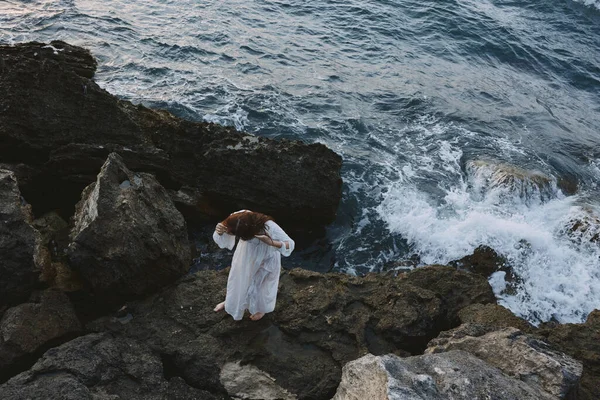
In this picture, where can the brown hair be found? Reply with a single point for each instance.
(246, 224)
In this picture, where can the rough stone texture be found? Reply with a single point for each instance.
(128, 238)
(484, 261)
(455, 375)
(517, 355)
(493, 317)
(321, 322)
(20, 254)
(98, 366)
(28, 327)
(57, 121)
(249, 382)
(581, 341)
(456, 288)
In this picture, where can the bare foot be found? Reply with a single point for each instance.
(257, 316)
(220, 307)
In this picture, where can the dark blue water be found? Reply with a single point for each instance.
(431, 104)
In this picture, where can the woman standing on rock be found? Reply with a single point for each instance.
(254, 274)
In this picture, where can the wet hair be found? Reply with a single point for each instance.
(247, 224)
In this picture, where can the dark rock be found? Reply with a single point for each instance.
(321, 322)
(128, 238)
(455, 375)
(493, 317)
(582, 342)
(21, 257)
(47, 319)
(484, 261)
(99, 366)
(517, 355)
(56, 120)
(457, 289)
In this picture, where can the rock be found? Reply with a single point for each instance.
(128, 238)
(493, 317)
(249, 382)
(509, 182)
(457, 289)
(321, 322)
(582, 342)
(99, 366)
(21, 257)
(484, 261)
(25, 329)
(55, 119)
(519, 356)
(453, 375)
(585, 228)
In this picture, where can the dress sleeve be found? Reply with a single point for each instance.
(225, 240)
(277, 233)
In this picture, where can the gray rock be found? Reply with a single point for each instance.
(128, 238)
(21, 258)
(250, 383)
(455, 375)
(518, 355)
(26, 328)
(99, 366)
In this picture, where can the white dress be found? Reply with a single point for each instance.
(254, 274)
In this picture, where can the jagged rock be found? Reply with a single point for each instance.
(455, 375)
(457, 289)
(98, 366)
(517, 355)
(249, 382)
(493, 317)
(54, 118)
(582, 342)
(26, 328)
(321, 322)
(21, 257)
(484, 261)
(128, 238)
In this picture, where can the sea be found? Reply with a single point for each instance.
(461, 123)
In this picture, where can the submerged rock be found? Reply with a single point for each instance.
(21, 256)
(24, 329)
(517, 355)
(484, 261)
(55, 120)
(128, 238)
(98, 366)
(453, 375)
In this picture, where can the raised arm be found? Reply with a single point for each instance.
(278, 234)
(222, 238)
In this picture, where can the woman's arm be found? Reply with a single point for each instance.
(222, 238)
(278, 238)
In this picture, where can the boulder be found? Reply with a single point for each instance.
(128, 238)
(453, 375)
(582, 342)
(493, 317)
(99, 366)
(484, 261)
(321, 322)
(47, 319)
(249, 382)
(517, 355)
(55, 119)
(21, 257)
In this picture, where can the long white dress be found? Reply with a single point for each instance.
(254, 274)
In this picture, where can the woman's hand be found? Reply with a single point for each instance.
(266, 239)
(221, 229)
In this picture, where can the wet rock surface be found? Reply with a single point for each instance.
(128, 238)
(453, 375)
(57, 121)
(20, 254)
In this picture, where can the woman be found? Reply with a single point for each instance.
(254, 274)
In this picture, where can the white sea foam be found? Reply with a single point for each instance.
(590, 3)
(519, 213)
